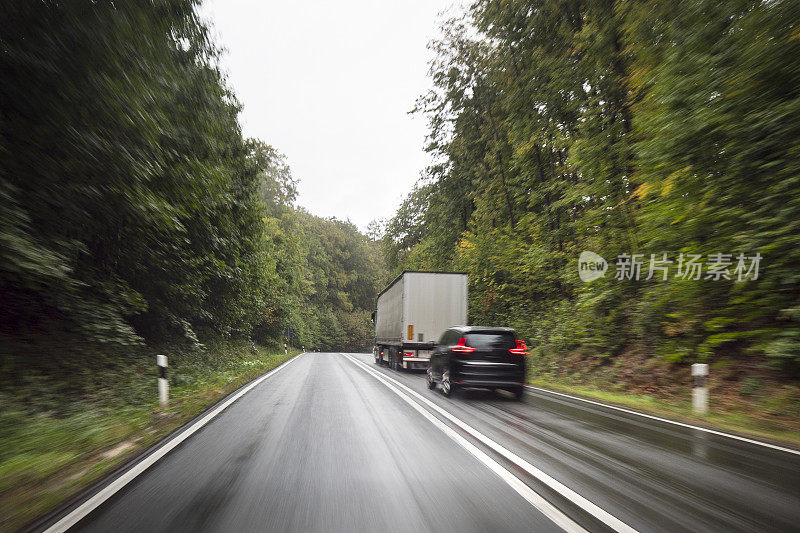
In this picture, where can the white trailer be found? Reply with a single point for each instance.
(413, 312)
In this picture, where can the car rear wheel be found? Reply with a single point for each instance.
(447, 386)
(518, 393)
(429, 379)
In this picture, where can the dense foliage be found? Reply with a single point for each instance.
(329, 272)
(134, 211)
(561, 126)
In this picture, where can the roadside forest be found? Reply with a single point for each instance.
(138, 220)
(135, 213)
(621, 128)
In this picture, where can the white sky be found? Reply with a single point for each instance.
(329, 84)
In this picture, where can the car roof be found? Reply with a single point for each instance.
(482, 329)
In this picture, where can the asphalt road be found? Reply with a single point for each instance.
(324, 445)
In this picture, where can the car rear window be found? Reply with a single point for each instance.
(491, 341)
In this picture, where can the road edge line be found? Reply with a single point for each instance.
(667, 420)
(587, 506)
(81, 511)
(549, 511)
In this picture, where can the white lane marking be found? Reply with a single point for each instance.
(602, 515)
(545, 507)
(707, 430)
(80, 512)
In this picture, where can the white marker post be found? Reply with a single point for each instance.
(163, 385)
(700, 389)
(285, 349)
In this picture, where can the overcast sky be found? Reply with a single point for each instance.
(330, 84)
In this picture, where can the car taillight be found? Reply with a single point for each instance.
(409, 354)
(461, 346)
(521, 349)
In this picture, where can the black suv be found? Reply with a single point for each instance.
(475, 356)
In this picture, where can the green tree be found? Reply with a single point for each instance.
(620, 127)
(131, 196)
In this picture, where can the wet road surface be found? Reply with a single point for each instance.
(652, 475)
(323, 445)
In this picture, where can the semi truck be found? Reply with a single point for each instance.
(412, 313)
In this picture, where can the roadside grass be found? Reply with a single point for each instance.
(749, 419)
(51, 450)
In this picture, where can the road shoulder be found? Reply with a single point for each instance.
(165, 433)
